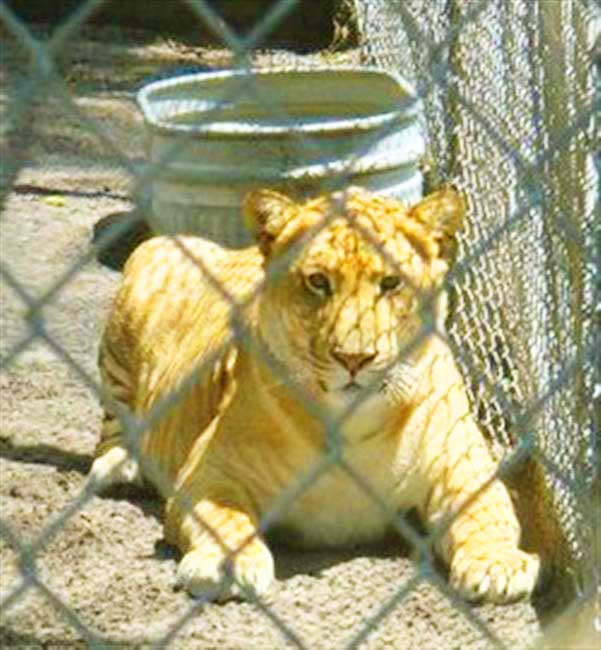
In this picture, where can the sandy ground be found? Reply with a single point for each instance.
(98, 570)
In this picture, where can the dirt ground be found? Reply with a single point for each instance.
(101, 572)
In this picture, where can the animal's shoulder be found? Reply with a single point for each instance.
(176, 298)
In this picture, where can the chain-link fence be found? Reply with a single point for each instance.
(510, 119)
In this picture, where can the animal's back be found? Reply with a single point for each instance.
(171, 317)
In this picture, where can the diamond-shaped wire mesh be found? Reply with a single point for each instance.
(510, 112)
(507, 135)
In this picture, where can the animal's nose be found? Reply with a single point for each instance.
(353, 361)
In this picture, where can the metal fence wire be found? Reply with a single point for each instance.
(508, 90)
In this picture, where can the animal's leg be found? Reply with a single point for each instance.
(481, 531)
(224, 556)
(113, 463)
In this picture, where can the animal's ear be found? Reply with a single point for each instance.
(442, 214)
(266, 213)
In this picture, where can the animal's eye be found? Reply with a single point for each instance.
(319, 283)
(389, 283)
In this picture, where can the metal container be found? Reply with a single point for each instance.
(214, 136)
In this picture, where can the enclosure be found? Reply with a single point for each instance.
(510, 101)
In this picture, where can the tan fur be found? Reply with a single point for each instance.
(312, 369)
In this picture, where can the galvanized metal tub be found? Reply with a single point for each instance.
(214, 136)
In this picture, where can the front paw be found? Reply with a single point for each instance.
(202, 572)
(494, 574)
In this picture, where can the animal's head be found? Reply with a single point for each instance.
(350, 278)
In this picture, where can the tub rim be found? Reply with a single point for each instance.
(409, 112)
